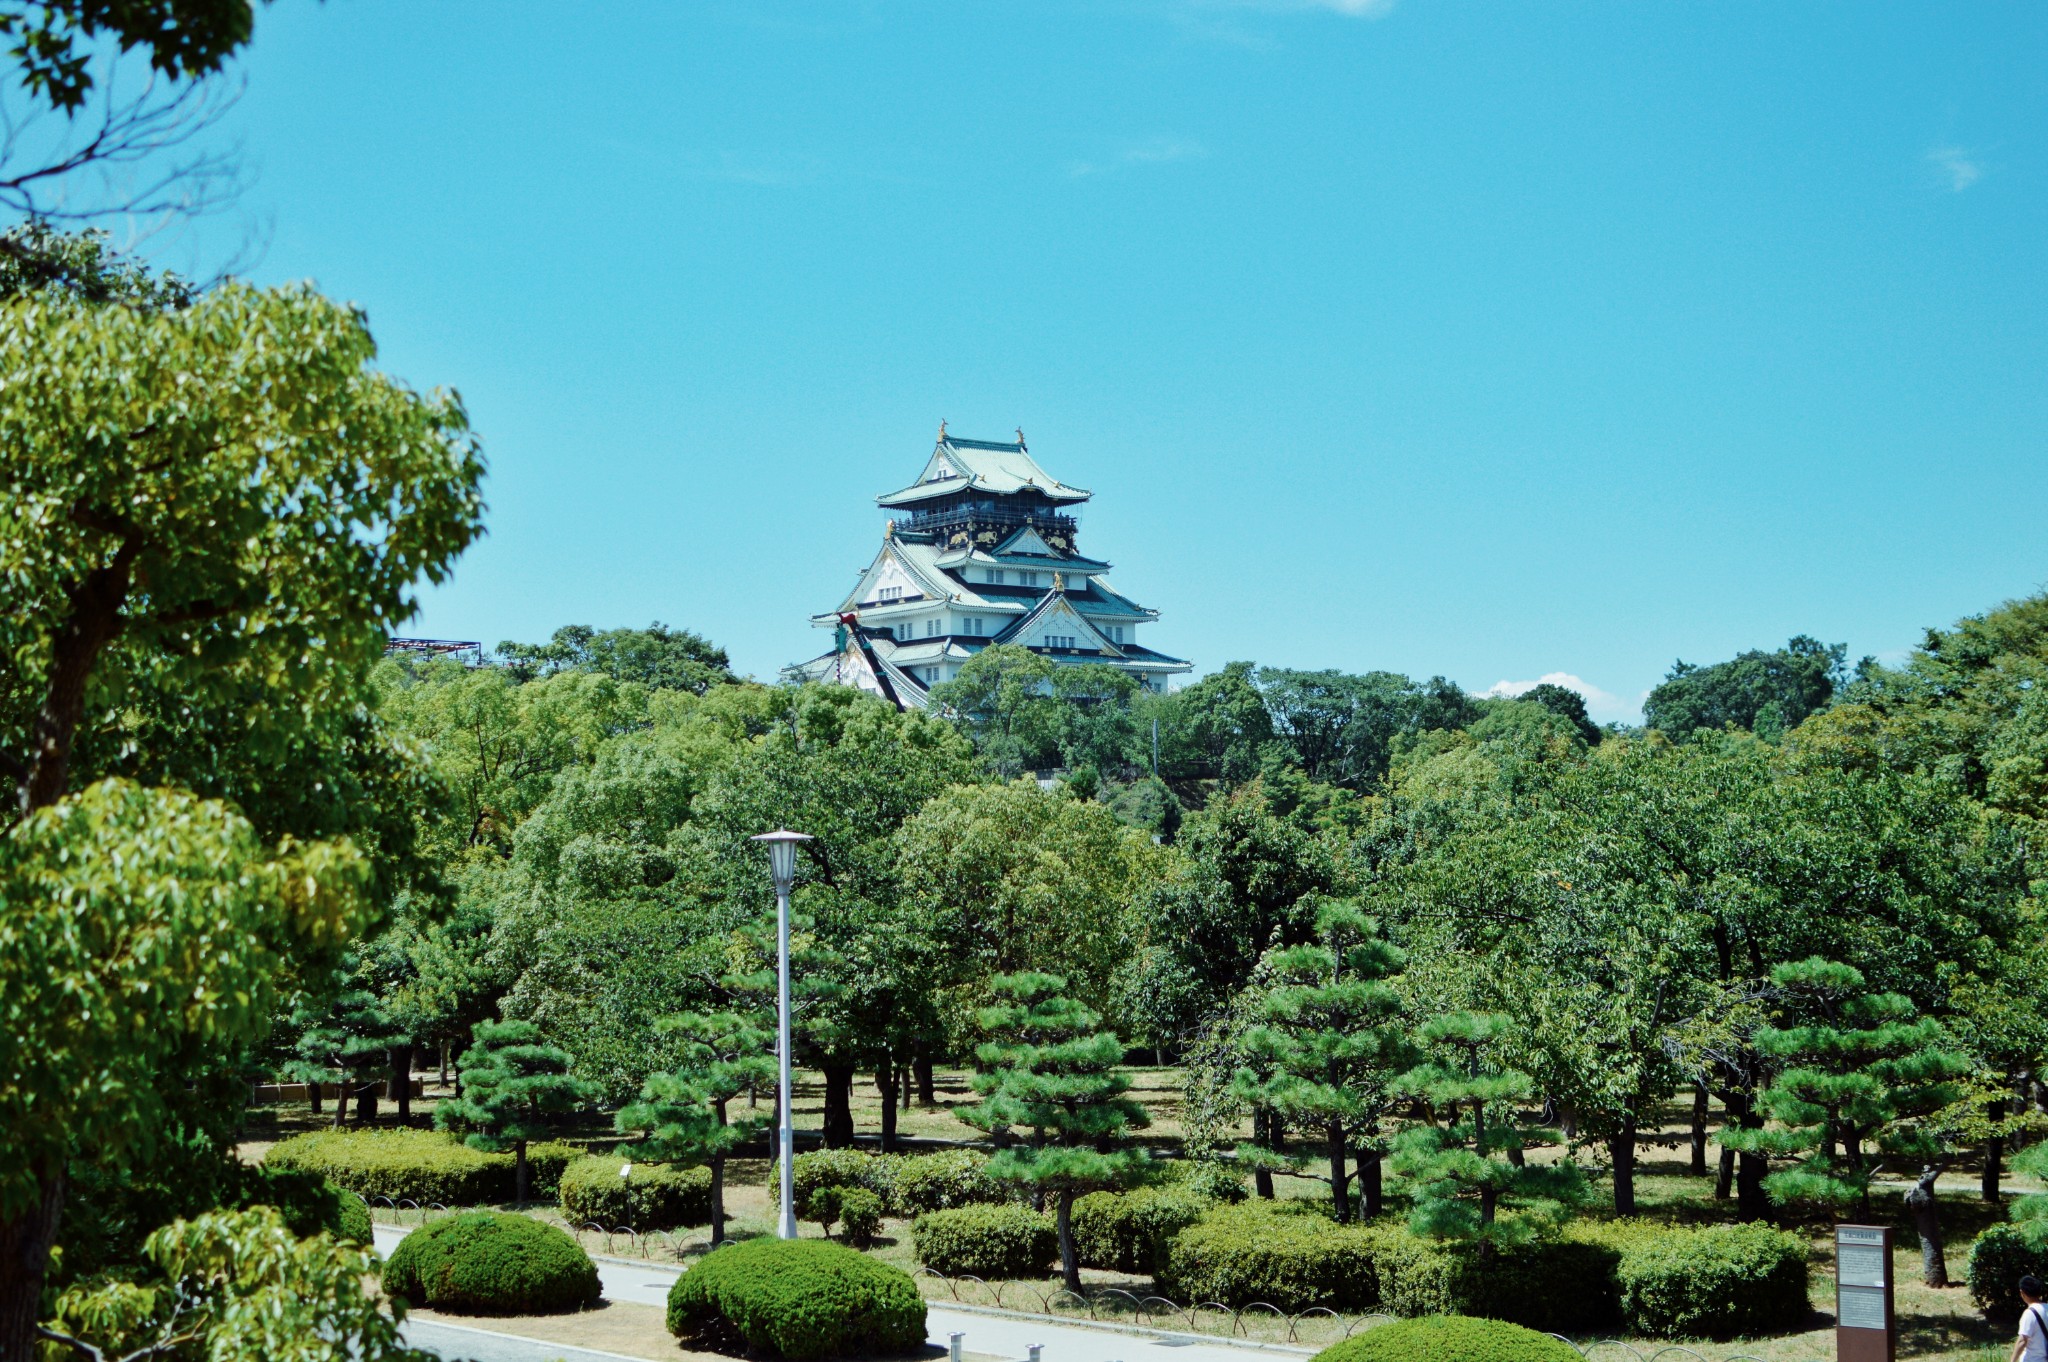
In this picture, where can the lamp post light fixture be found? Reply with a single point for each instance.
(782, 867)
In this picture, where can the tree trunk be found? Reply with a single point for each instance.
(1699, 1130)
(366, 1102)
(1516, 1156)
(444, 1063)
(1371, 1189)
(340, 1103)
(1622, 1146)
(1262, 1135)
(1070, 1261)
(1340, 1178)
(519, 1172)
(401, 1078)
(1724, 1177)
(25, 1243)
(313, 1095)
(1994, 1154)
(922, 1065)
(838, 1105)
(1927, 1220)
(886, 1080)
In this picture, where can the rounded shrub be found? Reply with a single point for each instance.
(307, 1202)
(1240, 1255)
(2001, 1256)
(425, 1166)
(491, 1263)
(1722, 1281)
(985, 1241)
(834, 1168)
(940, 1182)
(799, 1299)
(1206, 1179)
(651, 1196)
(860, 1216)
(1449, 1338)
(355, 1225)
(1130, 1231)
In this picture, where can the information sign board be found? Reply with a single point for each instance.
(1864, 1329)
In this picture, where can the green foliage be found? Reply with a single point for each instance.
(799, 1299)
(985, 1241)
(2000, 1256)
(1757, 690)
(1215, 729)
(940, 1181)
(1449, 1338)
(1292, 1261)
(860, 1216)
(683, 1115)
(54, 45)
(1720, 1281)
(513, 1090)
(820, 1168)
(1210, 1180)
(1130, 1231)
(1568, 705)
(1458, 1170)
(657, 657)
(1343, 729)
(345, 1036)
(418, 1165)
(615, 1192)
(491, 1263)
(234, 1284)
(308, 1203)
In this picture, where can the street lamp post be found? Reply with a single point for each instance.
(782, 866)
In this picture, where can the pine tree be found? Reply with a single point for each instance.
(682, 1114)
(1456, 1164)
(1859, 1080)
(1049, 1069)
(1325, 1048)
(512, 1088)
(347, 1041)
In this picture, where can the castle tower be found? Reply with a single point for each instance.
(982, 550)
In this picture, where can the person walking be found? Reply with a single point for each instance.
(2032, 1344)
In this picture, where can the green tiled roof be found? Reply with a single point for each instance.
(981, 466)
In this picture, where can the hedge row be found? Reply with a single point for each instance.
(614, 1192)
(1723, 1281)
(796, 1298)
(1130, 1231)
(986, 1241)
(908, 1184)
(425, 1166)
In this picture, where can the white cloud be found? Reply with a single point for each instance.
(1157, 151)
(1603, 706)
(1957, 168)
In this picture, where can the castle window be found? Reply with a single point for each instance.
(892, 593)
(1028, 578)
(993, 576)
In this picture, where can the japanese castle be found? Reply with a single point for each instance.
(982, 551)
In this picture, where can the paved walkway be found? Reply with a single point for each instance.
(987, 1335)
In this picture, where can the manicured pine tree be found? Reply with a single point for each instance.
(682, 1115)
(1457, 1164)
(348, 1041)
(512, 1089)
(1860, 1079)
(1325, 1049)
(1050, 1070)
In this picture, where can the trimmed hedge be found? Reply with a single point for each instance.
(941, 1182)
(1724, 1281)
(657, 1196)
(1449, 1338)
(835, 1168)
(307, 1203)
(860, 1216)
(1205, 1179)
(985, 1241)
(491, 1263)
(800, 1299)
(1130, 1231)
(1257, 1253)
(2001, 1256)
(425, 1166)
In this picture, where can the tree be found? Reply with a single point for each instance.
(1215, 729)
(1859, 1076)
(1456, 1163)
(184, 38)
(1003, 697)
(236, 1284)
(1567, 704)
(657, 657)
(1768, 692)
(183, 609)
(514, 1089)
(1342, 729)
(1055, 1073)
(346, 1038)
(682, 1114)
(1327, 1046)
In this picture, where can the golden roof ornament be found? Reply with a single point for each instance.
(1020, 438)
(942, 429)
(889, 531)
(1059, 581)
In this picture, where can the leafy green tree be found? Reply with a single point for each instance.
(1328, 1043)
(176, 616)
(1754, 690)
(1216, 729)
(514, 1089)
(53, 44)
(1343, 729)
(345, 1038)
(683, 1115)
(1462, 1165)
(1859, 1078)
(1003, 697)
(236, 1284)
(1052, 1071)
(657, 657)
(1567, 704)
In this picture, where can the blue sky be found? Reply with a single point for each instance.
(1485, 340)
